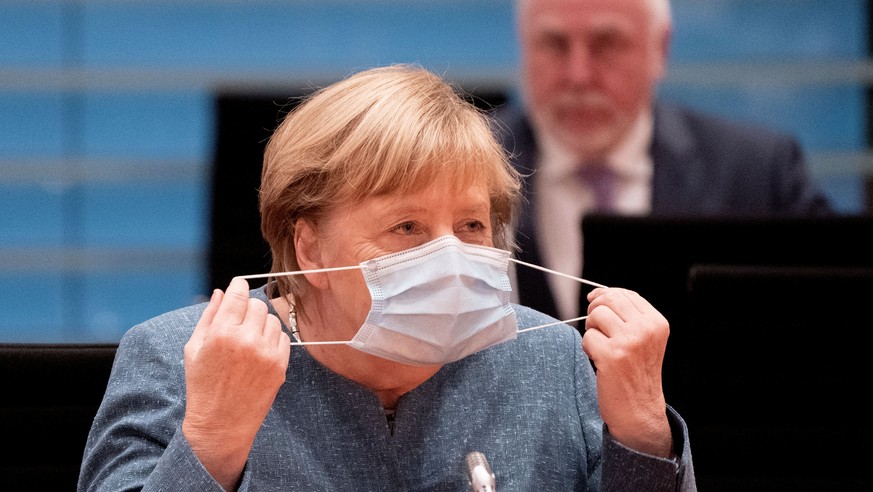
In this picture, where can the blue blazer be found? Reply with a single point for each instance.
(529, 404)
(703, 166)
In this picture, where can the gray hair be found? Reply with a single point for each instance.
(662, 16)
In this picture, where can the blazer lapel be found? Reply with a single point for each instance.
(531, 284)
(679, 174)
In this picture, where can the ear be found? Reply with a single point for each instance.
(307, 246)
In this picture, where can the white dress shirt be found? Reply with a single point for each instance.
(562, 200)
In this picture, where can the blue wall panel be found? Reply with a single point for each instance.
(847, 192)
(115, 301)
(129, 111)
(828, 117)
(31, 215)
(311, 35)
(150, 125)
(32, 33)
(32, 305)
(146, 215)
(780, 30)
(33, 124)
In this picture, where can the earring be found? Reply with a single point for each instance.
(292, 320)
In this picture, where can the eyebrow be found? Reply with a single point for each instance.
(418, 209)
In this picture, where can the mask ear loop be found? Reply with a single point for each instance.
(292, 312)
(566, 321)
(555, 272)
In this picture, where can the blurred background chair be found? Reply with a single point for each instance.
(49, 394)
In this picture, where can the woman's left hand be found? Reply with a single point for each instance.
(626, 338)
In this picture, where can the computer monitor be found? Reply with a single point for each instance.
(765, 358)
(654, 254)
(778, 377)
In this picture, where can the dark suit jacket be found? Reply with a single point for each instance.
(703, 166)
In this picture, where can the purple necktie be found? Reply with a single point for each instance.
(600, 178)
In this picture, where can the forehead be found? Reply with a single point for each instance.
(442, 193)
(435, 199)
(568, 16)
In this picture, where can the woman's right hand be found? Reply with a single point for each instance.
(235, 363)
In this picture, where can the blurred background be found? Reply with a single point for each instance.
(110, 114)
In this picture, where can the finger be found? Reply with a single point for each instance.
(283, 352)
(634, 309)
(272, 328)
(594, 343)
(595, 293)
(281, 341)
(278, 341)
(256, 316)
(208, 315)
(284, 343)
(604, 319)
(618, 300)
(600, 296)
(639, 302)
(235, 304)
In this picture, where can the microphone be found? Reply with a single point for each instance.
(479, 473)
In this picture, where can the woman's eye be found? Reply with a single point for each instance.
(474, 226)
(405, 228)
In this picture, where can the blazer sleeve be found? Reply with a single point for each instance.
(621, 468)
(136, 442)
(626, 469)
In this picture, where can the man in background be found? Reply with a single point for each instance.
(591, 136)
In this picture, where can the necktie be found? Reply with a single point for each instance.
(601, 180)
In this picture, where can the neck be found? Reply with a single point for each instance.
(389, 380)
(389, 399)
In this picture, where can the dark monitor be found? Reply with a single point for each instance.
(654, 254)
(778, 377)
(765, 347)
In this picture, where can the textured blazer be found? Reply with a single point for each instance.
(703, 166)
(529, 405)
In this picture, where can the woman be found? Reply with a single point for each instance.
(393, 351)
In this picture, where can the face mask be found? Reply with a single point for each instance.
(435, 303)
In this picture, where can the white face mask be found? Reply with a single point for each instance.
(435, 303)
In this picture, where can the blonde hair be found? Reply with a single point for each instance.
(383, 130)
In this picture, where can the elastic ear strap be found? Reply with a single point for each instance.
(532, 328)
(578, 279)
(299, 272)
